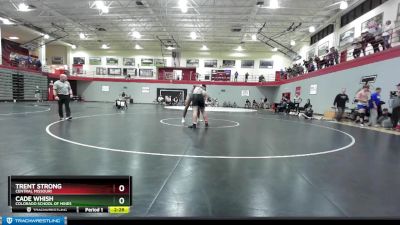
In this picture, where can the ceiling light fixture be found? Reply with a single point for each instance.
(82, 36)
(343, 5)
(254, 37)
(13, 38)
(100, 5)
(292, 43)
(183, 5)
(73, 46)
(170, 48)
(239, 48)
(22, 7)
(6, 21)
(273, 4)
(104, 46)
(136, 35)
(138, 47)
(311, 29)
(204, 48)
(193, 35)
(46, 36)
(275, 49)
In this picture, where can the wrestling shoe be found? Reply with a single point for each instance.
(192, 126)
(183, 120)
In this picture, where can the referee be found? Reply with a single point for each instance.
(63, 94)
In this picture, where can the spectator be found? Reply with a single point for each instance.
(296, 102)
(248, 104)
(38, 64)
(318, 62)
(246, 77)
(308, 103)
(373, 36)
(261, 78)
(283, 105)
(326, 62)
(384, 120)
(335, 54)
(340, 102)
(374, 105)
(396, 108)
(236, 76)
(387, 34)
(37, 94)
(308, 113)
(357, 47)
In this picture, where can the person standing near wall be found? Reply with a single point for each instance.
(236, 76)
(374, 105)
(362, 98)
(246, 77)
(63, 94)
(297, 101)
(340, 102)
(396, 108)
(387, 34)
(37, 94)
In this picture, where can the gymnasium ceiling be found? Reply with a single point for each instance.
(212, 20)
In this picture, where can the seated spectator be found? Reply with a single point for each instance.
(385, 120)
(255, 104)
(283, 105)
(308, 103)
(168, 100)
(247, 105)
(234, 105)
(160, 99)
(308, 113)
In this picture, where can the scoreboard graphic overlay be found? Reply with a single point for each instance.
(70, 194)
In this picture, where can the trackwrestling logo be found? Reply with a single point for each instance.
(33, 220)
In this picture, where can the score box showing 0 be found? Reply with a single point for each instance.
(69, 191)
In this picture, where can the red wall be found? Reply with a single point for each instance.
(187, 73)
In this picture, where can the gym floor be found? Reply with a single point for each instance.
(244, 165)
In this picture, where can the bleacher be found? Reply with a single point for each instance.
(20, 85)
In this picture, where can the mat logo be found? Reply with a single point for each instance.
(9, 220)
(29, 209)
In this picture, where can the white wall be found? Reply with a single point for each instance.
(56, 50)
(280, 61)
(92, 91)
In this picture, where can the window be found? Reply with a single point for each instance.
(360, 10)
(321, 34)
